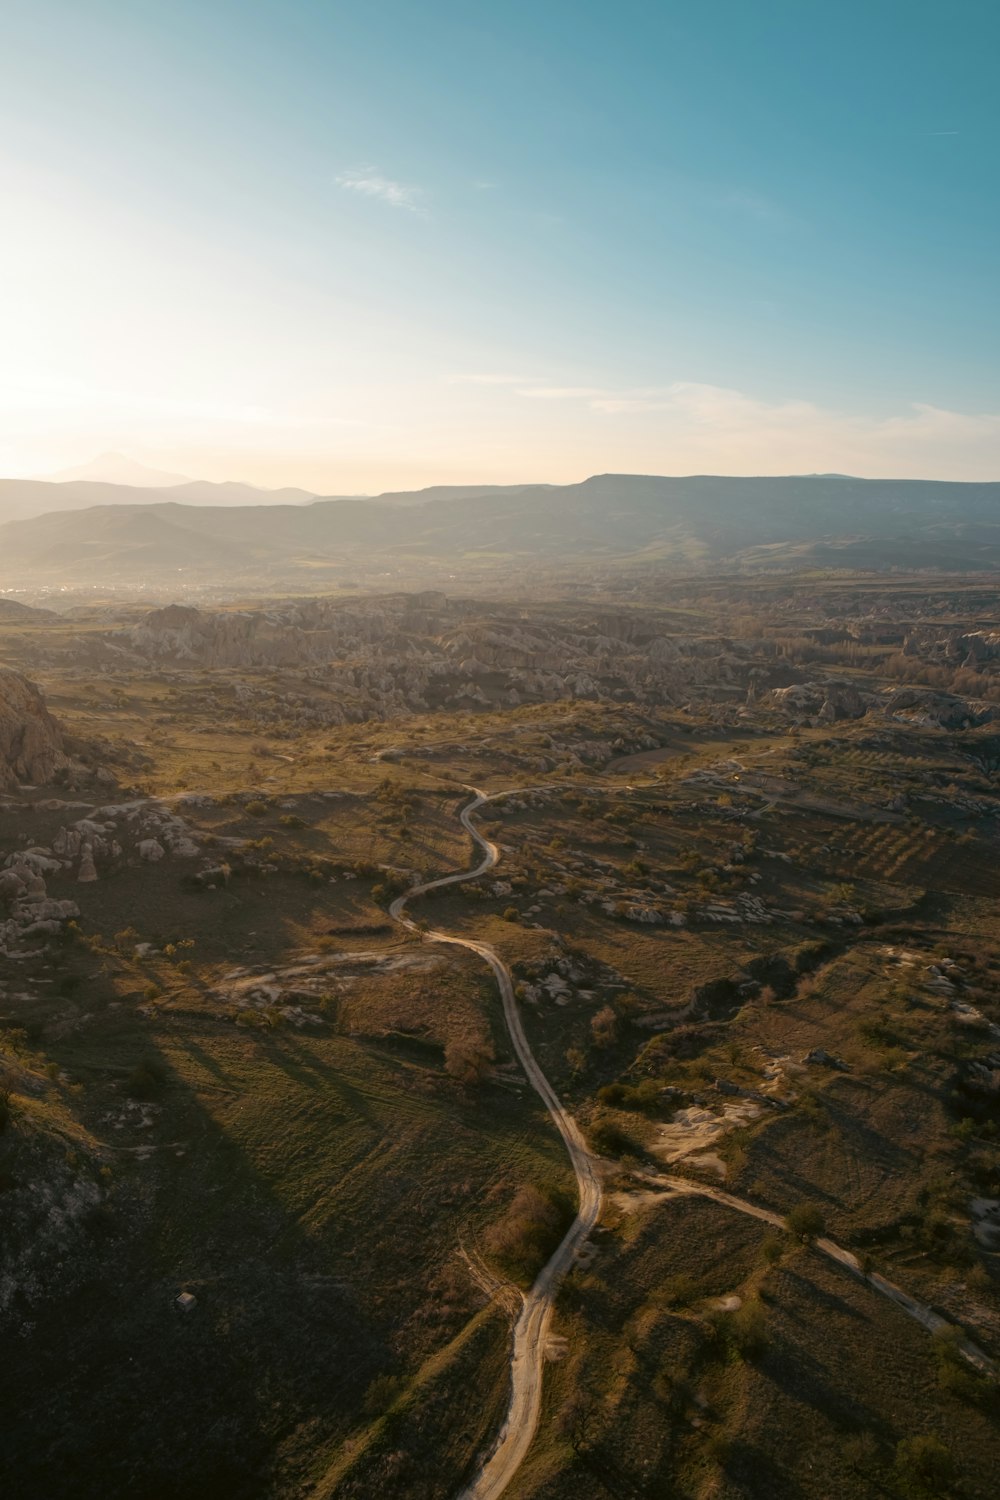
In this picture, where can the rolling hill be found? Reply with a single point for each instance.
(801, 521)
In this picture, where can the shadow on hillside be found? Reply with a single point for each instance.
(116, 1392)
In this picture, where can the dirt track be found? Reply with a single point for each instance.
(531, 1331)
(919, 1311)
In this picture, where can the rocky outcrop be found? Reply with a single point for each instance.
(824, 700)
(109, 838)
(125, 833)
(26, 910)
(948, 647)
(31, 746)
(945, 710)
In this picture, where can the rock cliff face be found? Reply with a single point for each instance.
(953, 648)
(31, 748)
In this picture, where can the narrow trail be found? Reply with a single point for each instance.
(531, 1331)
(919, 1311)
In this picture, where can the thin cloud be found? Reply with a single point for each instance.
(372, 184)
(489, 379)
(561, 392)
(719, 427)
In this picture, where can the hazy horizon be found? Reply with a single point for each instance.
(159, 482)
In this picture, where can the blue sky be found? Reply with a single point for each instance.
(359, 246)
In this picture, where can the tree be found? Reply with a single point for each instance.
(747, 1330)
(578, 1421)
(805, 1220)
(923, 1467)
(469, 1060)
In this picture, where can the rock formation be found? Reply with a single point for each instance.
(31, 747)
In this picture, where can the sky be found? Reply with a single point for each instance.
(380, 245)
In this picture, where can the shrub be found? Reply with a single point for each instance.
(805, 1220)
(861, 1452)
(468, 1060)
(747, 1330)
(772, 1250)
(604, 1027)
(876, 1031)
(923, 1466)
(643, 1096)
(383, 1392)
(576, 1060)
(679, 1290)
(611, 1140)
(256, 809)
(954, 1376)
(528, 1233)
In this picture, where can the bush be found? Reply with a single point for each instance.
(528, 1233)
(772, 1249)
(861, 1452)
(468, 1060)
(604, 1027)
(954, 1375)
(643, 1096)
(805, 1220)
(747, 1330)
(679, 1290)
(923, 1467)
(383, 1392)
(611, 1140)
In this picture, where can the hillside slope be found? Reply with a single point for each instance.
(760, 522)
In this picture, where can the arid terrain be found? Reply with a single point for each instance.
(290, 1144)
(499, 751)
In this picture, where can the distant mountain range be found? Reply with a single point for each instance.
(118, 468)
(93, 484)
(130, 536)
(21, 499)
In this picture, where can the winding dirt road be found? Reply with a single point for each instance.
(531, 1330)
